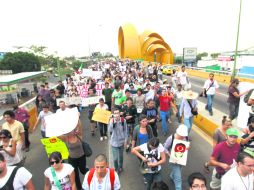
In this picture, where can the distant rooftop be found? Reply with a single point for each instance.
(19, 77)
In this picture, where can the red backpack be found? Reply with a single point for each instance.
(111, 177)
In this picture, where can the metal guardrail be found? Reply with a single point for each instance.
(221, 72)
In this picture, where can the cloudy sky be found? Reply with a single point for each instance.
(70, 27)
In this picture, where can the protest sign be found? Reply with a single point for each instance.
(61, 122)
(97, 74)
(69, 100)
(179, 152)
(55, 144)
(244, 109)
(101, 115)
(87, 73)
(83, 89)
(91, 100)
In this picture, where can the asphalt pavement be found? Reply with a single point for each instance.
(130, 178)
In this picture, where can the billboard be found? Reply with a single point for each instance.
(189, 54)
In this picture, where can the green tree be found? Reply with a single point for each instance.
(215, 55)
(20, 62)
(200, 55)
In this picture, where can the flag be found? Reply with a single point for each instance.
(80, 69)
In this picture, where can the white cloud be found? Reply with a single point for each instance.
(65, 26)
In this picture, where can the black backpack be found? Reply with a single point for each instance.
(247, 96)
(9, 183)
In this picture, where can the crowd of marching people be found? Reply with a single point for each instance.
(145, 108)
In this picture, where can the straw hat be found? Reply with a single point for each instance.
(190, 95)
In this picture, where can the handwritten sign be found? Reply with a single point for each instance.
(91, 100)
(83, 89)
(55, 144)
(179, 152)
(69, 100)
(101, 115)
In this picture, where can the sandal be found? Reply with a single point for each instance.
(206, 167)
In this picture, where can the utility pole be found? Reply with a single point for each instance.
(237, 37)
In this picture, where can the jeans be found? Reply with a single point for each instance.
(188, 122)
(79, 164)
(103, 129)
(164, 115)
(233, 110)
(210, 102)
(26, 128)
(176, 175)
(118, 157)
(152, 177)
(178, 114)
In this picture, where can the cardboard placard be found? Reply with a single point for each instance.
(179, 152)
(55, 144)
(101, 115)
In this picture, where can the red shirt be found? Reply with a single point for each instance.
(225, 154)
(165, 103)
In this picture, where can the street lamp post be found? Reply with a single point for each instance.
(237, 37)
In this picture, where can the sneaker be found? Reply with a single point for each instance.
(105, 137)
(92, 133)
(27, 149)
(128, 148)
(101, 139)
(211, 113)
(120, 170)
(145, 182)
(169, 121)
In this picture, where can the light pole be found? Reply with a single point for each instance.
(237, 37)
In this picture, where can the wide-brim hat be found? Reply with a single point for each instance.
(190, 95)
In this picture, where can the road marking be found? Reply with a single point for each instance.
(203, 134)
(225, 95)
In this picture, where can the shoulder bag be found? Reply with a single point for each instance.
(86, 147)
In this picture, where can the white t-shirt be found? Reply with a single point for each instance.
(21, 178)
(104, 107)
(149, 95)
(105, 185)
(213, 87)
(60, 110)
(155, 153)
(183, 77)
(63, 176)
(42, 116)
(232, 181)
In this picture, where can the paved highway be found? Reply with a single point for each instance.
(200, 150)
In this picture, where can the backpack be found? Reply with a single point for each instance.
(247, 96)
(111, 177)
(9, 183)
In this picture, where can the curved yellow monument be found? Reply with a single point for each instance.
(147, 46)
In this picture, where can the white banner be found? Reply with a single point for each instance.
(61, 123)
(179, 152)
(69, 100)
(87, 73)
(244, 109)
(91, 100)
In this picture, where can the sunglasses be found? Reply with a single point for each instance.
(3, 137)
(54, 162)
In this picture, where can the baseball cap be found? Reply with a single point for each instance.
(182, 130)
(232, 131)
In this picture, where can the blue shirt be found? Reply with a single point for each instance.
(143, 138)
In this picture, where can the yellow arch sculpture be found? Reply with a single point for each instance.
(143, 46)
